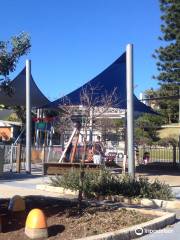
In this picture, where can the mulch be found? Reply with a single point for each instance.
(66, 221)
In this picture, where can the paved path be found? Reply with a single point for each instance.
(23, 184)
(176, 191)
(169, 233)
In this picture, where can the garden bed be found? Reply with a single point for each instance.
(66, 222)
(144, 202)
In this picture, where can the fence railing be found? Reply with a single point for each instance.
(8, 155)
(53, 153)
(159, 154)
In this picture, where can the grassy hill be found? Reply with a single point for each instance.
(170, 131)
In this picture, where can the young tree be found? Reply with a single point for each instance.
(95, 106)
(10, 53)
(92, 106)
(168, 56)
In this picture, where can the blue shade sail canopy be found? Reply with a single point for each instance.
(111, 81)
(18, 96)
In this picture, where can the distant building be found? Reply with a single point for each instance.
(9, 131)
(146, 99)
(92, 130)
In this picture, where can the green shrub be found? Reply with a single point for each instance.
(159, 190)
(105, 183)
(72, 180)
(142, 188)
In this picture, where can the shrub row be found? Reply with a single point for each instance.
(105, 183)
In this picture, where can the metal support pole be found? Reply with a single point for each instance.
(174, 155)
(11, 158)
(37, 130)
(28, 117)
(125, 145)
(130, 110)
(91, 127)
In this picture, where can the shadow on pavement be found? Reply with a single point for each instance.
(12, 176)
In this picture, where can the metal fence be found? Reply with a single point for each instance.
(53, 153)
(160, 154)
(8, 155)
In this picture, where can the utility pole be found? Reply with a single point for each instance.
(130, 110)
(28, 116)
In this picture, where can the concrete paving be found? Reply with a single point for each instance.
(22, 184)
(168, 233)
(171, 232)
(176, 191)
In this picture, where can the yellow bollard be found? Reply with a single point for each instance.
(17, 204)
(36, 224)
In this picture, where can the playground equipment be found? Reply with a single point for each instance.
(44, 130)
(75, 134)
(36, 224)
(67, 159)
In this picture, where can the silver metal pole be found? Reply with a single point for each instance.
(37, 130)
(28, 116)
(130, 110)
(91, 127)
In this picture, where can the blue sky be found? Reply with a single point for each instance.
(74, 40)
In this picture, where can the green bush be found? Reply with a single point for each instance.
(142, 188)
(104, 183)
(159, 190)
(72, 180)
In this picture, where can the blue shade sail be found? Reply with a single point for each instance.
(18, 96)
(111, 81)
